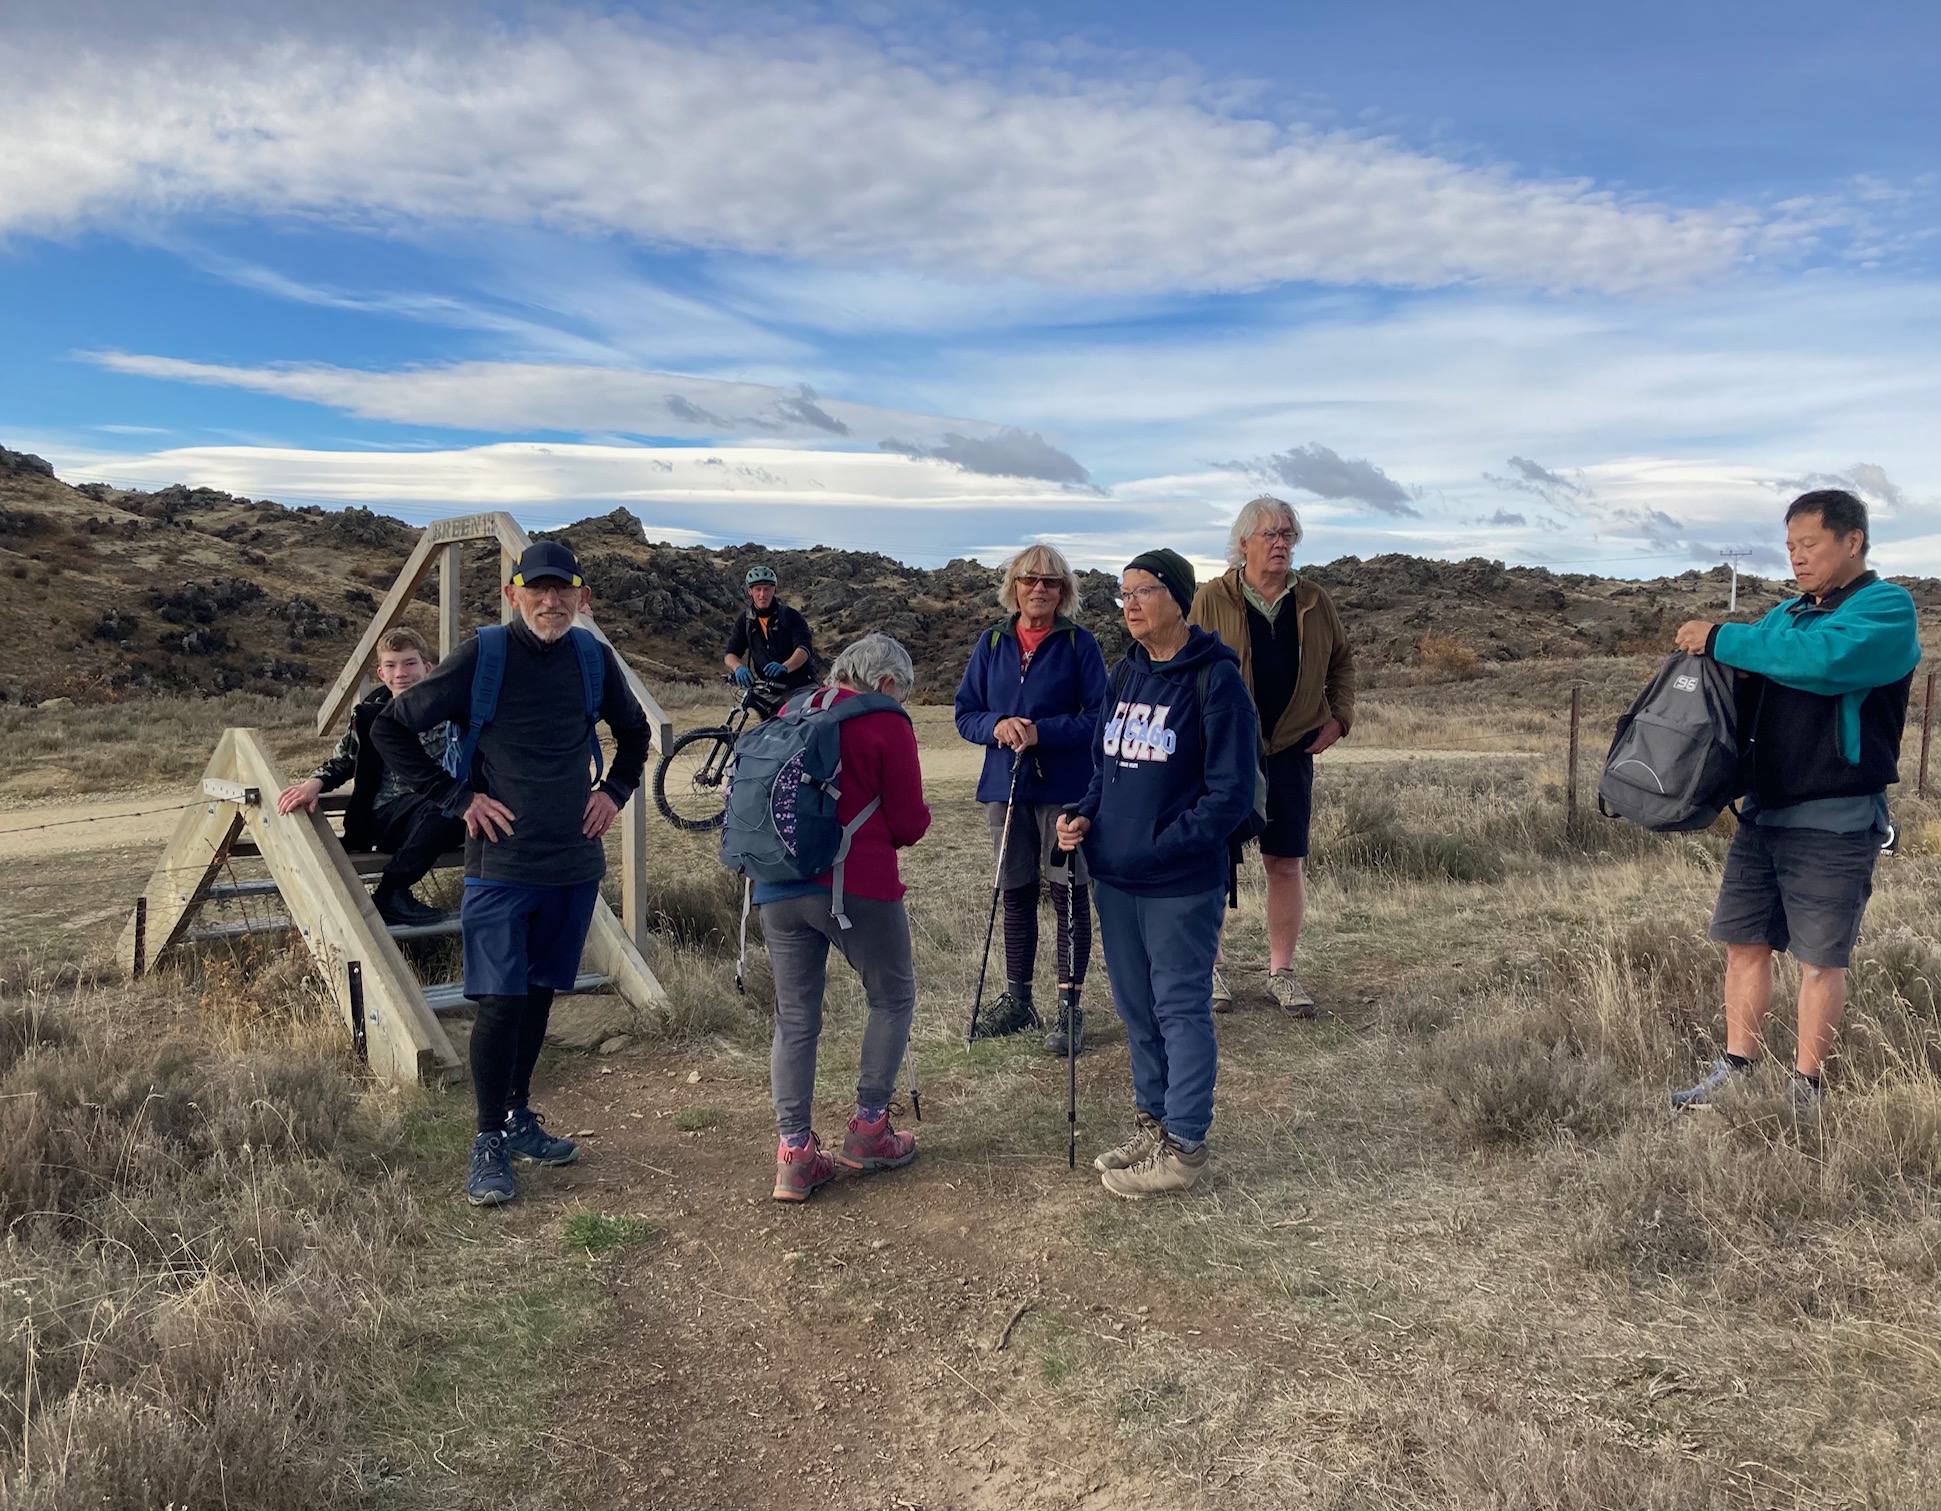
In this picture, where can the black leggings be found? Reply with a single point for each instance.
(506, 1041)
(1021, 931)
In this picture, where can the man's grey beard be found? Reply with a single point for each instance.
(547, 637)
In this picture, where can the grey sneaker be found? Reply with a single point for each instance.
(1222, 993)
(1134, 1149)
(1803, 1098)
(1289, 995)
(1719, 1082)
(1167, 1168)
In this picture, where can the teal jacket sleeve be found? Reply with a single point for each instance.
(1872, 640)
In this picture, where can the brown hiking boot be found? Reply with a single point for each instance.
(1133, 1149)
(799, 1171)
(1289, 995)
(1167, 1168)
(874, 1146)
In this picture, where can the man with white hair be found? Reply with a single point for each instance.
(534, 818)
(1295, 660)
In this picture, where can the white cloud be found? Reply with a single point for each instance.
(811, 146)
(527, 396)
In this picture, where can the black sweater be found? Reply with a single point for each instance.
(532, 756)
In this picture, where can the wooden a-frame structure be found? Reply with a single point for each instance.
(392, 1017)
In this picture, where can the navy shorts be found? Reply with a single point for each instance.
(1802, 890)
(1290, 803)
(519, 937)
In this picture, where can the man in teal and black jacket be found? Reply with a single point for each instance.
(1822, 696)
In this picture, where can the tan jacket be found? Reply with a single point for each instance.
(1324, 688)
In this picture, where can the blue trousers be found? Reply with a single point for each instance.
(1159, 955)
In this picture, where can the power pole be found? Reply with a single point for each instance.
(1735, 557)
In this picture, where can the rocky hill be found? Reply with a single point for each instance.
(182, 591)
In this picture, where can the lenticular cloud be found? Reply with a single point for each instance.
(820, 147)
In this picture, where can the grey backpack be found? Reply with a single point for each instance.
(783, 785)
(1674, 763)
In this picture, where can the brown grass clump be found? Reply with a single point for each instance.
(199, 1246)
(1448, 657)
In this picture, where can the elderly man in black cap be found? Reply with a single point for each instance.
(527, 697)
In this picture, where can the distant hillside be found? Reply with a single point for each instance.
(189, 591)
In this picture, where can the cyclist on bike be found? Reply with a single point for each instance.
(770, 640)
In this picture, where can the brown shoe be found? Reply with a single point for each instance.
(1124, 1156)
(1222, 993)
(1166, 1169)
(1289, 995)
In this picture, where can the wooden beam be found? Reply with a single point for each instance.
(439, 533)
(189, 865)
(633, 868)
(343, 692)
(326, 900)
(450, 604)
(612, 954)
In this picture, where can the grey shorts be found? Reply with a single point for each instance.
(1034, 842)
(1802, 890)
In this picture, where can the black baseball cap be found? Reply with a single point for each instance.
(547, 558)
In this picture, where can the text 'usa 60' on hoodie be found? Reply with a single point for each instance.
(1171, 778)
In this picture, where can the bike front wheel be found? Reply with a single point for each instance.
(691, 782)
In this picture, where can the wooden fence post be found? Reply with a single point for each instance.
(1570, 774)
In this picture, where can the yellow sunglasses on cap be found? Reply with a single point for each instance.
(519, 580)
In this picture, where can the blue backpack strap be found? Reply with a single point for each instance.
(593, 681)
(488, 676)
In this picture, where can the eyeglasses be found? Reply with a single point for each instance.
(555, 589)
(1283, 537)
(1028, 583)
(1140, 596)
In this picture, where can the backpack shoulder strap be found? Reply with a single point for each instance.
(488, 676)
(593, 682)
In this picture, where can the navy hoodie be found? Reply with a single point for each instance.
(1171, 780)
(1060, 692)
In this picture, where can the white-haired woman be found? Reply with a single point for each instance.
(1030, 696)
(1294, 657)
(879, 766)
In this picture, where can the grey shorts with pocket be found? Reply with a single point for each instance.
(1034, 844)
(1803, 890)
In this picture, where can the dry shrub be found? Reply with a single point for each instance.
(1445, 655)
(200, 1250)
(1369, 837)
(700, 908)
(1893, 1022)
(1518, 1073)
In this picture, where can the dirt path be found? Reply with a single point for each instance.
(144, 818)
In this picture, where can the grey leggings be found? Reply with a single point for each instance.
(799, 931)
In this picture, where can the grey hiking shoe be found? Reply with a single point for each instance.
(1010, 1014)
(1134, 1149)
(1289, 995)
(1222, 993)
(1803, 1098)
(1071, 1022)
(1720, 1082)
(1165, 1169)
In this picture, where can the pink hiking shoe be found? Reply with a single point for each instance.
(876, 1146)
(798, 1171)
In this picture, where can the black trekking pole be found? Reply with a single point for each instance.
(1062, 861)
(997, 883)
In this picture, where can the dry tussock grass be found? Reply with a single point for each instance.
(201, 1247)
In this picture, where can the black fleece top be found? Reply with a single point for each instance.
(532, 756)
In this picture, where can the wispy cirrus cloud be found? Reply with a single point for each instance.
(525, 397)
(606, 125)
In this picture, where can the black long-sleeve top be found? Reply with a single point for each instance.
(532, 756)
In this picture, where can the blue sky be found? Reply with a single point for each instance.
(1597, 287)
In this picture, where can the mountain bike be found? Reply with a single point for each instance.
(691, 781)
